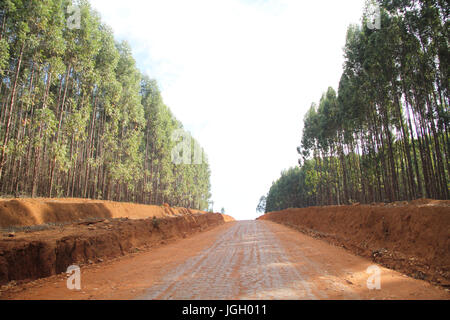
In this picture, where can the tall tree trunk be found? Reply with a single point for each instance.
(11, 108)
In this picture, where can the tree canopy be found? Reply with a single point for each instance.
(383, 136)
(78, 119)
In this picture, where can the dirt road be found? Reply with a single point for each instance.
(239, 260)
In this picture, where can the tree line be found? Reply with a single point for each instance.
(78, 119)
(383, 136)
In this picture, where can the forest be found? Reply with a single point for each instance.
(78, 119)
(383, 136)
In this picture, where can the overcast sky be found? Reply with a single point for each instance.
(240, 75)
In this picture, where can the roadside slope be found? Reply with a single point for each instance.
(84, 232)
(28, 212)
(413, 238)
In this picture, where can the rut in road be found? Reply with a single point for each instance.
(246, 262)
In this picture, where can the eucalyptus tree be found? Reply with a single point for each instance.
(78, 119)
(383, 136)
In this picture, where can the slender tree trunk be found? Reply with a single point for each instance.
(11, 108)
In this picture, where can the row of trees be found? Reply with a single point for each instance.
(78, 119)
(383, 136)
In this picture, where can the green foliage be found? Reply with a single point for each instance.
(155, 222)
(384, 136)
(78, 119)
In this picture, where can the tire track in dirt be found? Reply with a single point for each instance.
(246, 262)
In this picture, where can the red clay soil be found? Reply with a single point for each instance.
(29, 212)
(227, 218)
(413, 238)
(86, 232)
(236, 260)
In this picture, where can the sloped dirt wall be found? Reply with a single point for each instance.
(33, 255)
(413, 238)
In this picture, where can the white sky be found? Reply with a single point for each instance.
(240, 75)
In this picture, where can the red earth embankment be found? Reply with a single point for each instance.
(84, 232)
(29, 212)
(227, 218)
(413, 238)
